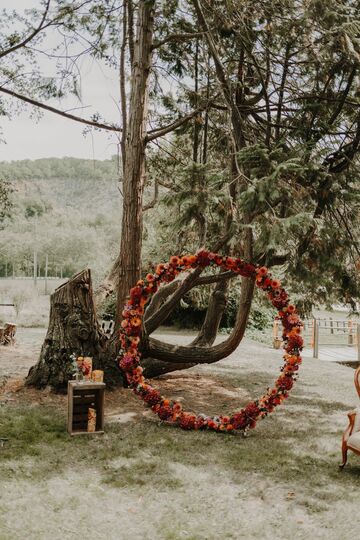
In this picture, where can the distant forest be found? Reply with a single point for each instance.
(66, 209)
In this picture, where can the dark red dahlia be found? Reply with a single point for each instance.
(295, 342)
(135, 293)
(252, 410)
(239, 420)
(285, 383)
(164, 412)
(203, 258)
(128, 362)
(187, 421)
(152, 397)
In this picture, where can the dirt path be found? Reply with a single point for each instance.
(15, 361)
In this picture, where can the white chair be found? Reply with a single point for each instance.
(351, 436)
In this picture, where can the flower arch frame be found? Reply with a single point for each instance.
(172, 411)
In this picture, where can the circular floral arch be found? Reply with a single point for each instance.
(171, 411)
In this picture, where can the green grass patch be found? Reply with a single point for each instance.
(140, 455)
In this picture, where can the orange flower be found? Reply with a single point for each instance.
(166, 402)
(174, 261)
(140, 282)
(291, 308)
(275, 284)
(262, 271)
(136, 321)
(135, 340)
(229, 427)
(150, 278)
(177, 407)
(192, 259)
(160, 269)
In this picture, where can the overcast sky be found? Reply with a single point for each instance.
(54, 136)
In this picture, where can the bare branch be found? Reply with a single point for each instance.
(155, 199)
(30, 36)
(155, 320)
(31, 101)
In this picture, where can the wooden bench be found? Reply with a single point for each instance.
(7, 334)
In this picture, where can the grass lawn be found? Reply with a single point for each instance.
(145, 480)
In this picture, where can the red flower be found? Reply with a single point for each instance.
(203, 258)
(152, 397)
(164, 412)
(295, 342)
(187, 421)
(135, 293)
(285, 383)
(252, 410)
(239, 420)
(128, 362)
(130, 335)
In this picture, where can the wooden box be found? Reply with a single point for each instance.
(81, 397)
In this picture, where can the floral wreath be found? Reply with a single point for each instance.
(171, 411)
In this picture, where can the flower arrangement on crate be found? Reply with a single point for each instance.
(171, 411)
(81, 367)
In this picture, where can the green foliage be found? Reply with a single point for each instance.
(5, 203)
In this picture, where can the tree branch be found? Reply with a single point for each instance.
(176, 37)
(31, 101)
(176, 354)
(155, 199)
(221, 75)
(159, 316)
(30, 36)
(160, 132)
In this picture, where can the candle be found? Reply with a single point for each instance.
(97, 375)
(91, 425)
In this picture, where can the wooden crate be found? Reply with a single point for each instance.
(82, 396)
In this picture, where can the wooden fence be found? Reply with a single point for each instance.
(323, 333)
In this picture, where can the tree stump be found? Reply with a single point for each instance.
(73, 329)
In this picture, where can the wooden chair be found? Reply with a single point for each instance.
(351, 436)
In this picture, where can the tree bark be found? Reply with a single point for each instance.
(214, 313)
(129, 260)
(177, 354)
(73, 328)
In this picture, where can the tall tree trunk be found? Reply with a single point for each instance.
(129, 262)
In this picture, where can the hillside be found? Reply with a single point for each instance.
(68, 209)
(65, 182)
